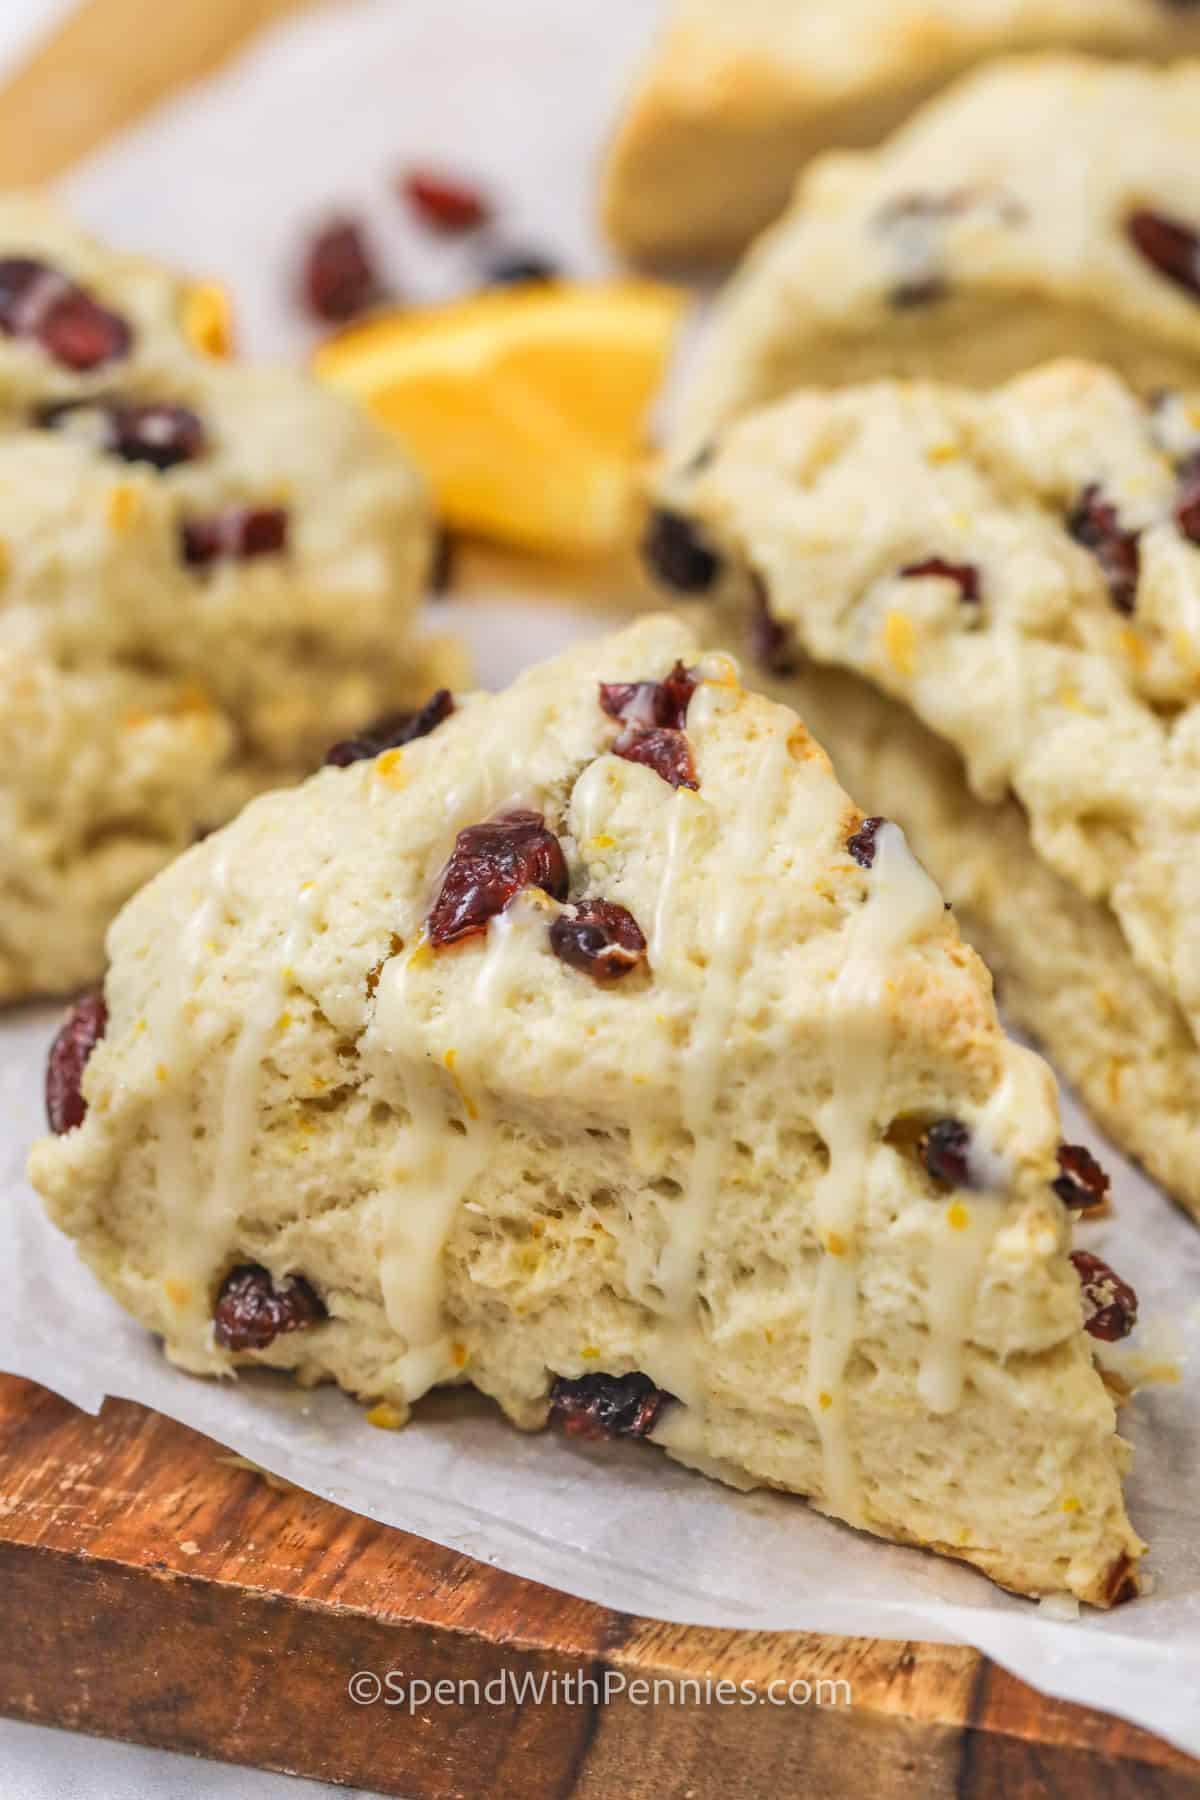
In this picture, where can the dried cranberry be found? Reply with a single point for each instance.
(674, 551)
(237, 535)
(608, 1406)
(85, 1025)
(155, 432)
(599, 937)
(668, 753)
(490, 865)
(1095, 525)
(160, 434)
(391, 732)
(38, 302)
(966, 575)
(22, 280)
(1083, 1184)
(441, 569)
(916, 223)
(81, 335)
(512, 268)
(445, 204)
(1169, 245)
(1110, 1306)
(340, 281)
(861, 844)
(771, 643)
(648, 703)
(252, 1310)
(1187, 501)
(946, 1152)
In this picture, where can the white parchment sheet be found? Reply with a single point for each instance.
(321, 113)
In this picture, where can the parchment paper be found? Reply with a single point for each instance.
(323, 112)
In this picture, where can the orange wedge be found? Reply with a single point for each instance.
(526, 407)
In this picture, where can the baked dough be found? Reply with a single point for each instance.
(737, 98)
(1033, 211)
(773, 1189)
(1020, 568)
(154, 671)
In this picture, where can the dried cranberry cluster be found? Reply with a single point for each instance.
(340, 274)
(1110, 1305)
(492, 863)
(608, 1406)
(654, 714)
(253, 1310)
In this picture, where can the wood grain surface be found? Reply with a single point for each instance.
(106, 64)
(151, 1590)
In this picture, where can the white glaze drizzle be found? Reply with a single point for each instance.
(901, 904)
(959, 1253)
(678, 1341)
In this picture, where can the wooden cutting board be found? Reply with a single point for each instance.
(150, 1589)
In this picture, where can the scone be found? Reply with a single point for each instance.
(594, 1049)
(1021, 568)
(737, 98)
(208, 573)
(1043, 207)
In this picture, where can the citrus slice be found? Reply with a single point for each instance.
(526, 407)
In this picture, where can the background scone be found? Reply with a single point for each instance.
(1022, 569)
(739, 96)
(672, 1105)
(1042, 207)
(208, 574)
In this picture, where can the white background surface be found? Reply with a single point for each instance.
(521, 91)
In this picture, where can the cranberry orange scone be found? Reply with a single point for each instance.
(1043, 207)
(738, 98)
(1064, 970)
(1021, 567)
(594, 1049)
(206, 572)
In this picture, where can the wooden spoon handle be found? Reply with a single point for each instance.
(106, 64)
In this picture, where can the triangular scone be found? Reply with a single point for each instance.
(737, 98)
(709, 1134)
(207, 572)
(1043, 207)
(1064, 971)
(1021, 567)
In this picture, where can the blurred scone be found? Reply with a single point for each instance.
(593, 1048)
(1021, 567)
(1043, 207)
(738, 97)
(208, 573)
